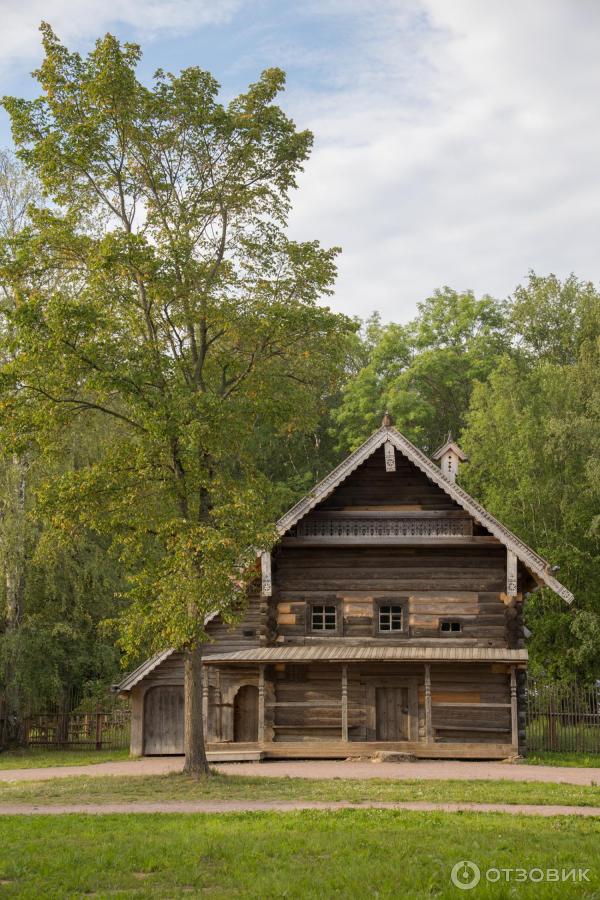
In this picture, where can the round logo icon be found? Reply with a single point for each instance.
(465, 875)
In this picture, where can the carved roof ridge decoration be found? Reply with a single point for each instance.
(324, 488)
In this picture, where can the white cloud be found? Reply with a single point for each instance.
(460, 146)
(77, 20)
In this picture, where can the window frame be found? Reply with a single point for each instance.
(323, 632)
(402, 632)
(450, 632)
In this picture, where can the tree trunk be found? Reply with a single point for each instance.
(196, 763)
(14, 585)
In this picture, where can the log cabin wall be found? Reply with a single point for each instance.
(470, 702)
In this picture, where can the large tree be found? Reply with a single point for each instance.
(533, 438)
(181, 312)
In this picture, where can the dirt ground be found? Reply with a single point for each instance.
(421, 769)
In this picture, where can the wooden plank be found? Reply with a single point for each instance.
(344, 703)
(265, 567)
(428, 709)
(261, 703)
(511, 573)
(339, 749)
(390, 457)
(514, 709)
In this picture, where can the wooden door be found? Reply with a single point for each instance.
(245, 715)
(163, 720)
(392, 713)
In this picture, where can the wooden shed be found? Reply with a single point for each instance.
(388, 617)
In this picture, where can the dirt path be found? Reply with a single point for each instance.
(243, 806)
(422, 769)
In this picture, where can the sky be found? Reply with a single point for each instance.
(457, 142)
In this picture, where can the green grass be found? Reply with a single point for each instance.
(553, 758)
(348, 854)
(43, 759)
(83, 789)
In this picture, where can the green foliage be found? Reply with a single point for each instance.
(533, 439)
(160, 292)
(423, 373)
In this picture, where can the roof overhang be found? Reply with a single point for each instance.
(341, 653)
(536, 564)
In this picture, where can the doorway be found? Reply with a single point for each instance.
(245, 715)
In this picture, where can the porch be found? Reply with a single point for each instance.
(332, 702)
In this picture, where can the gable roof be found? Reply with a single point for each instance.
(387, 433)
(149, 665)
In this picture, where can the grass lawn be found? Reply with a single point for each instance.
(348, 854)
(83, 789)
(551, 758)
(37, 759)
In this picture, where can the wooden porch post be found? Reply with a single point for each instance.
(514, 711)
(344, 703)
(428, 715)
(205, 701)
(261, 702)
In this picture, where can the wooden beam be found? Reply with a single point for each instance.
(261, 703)
(265, 568)
(390, 456)
(511, 573)
(514, 710)
(428, 710)
(205, 701)
(344, 703)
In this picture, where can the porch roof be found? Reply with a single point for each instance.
(341, 653)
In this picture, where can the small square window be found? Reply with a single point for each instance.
(450, 627)
(324, 618)
(391, 618)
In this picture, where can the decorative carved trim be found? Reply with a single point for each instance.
(370, 527)
(265, 566)
(390, 457)
(511, 573)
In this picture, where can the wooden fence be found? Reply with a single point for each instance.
(79, 731)
(563, 717)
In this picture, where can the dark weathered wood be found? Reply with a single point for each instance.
(428, 710)
(261, 703)
(344, 703)
(163, 720)
(245, 712)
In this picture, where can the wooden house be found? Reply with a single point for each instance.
(388, 617)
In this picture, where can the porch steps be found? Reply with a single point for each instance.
(214, 756)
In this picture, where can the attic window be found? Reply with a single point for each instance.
(450, 627)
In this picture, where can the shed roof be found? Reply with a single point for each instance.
(343, 653)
